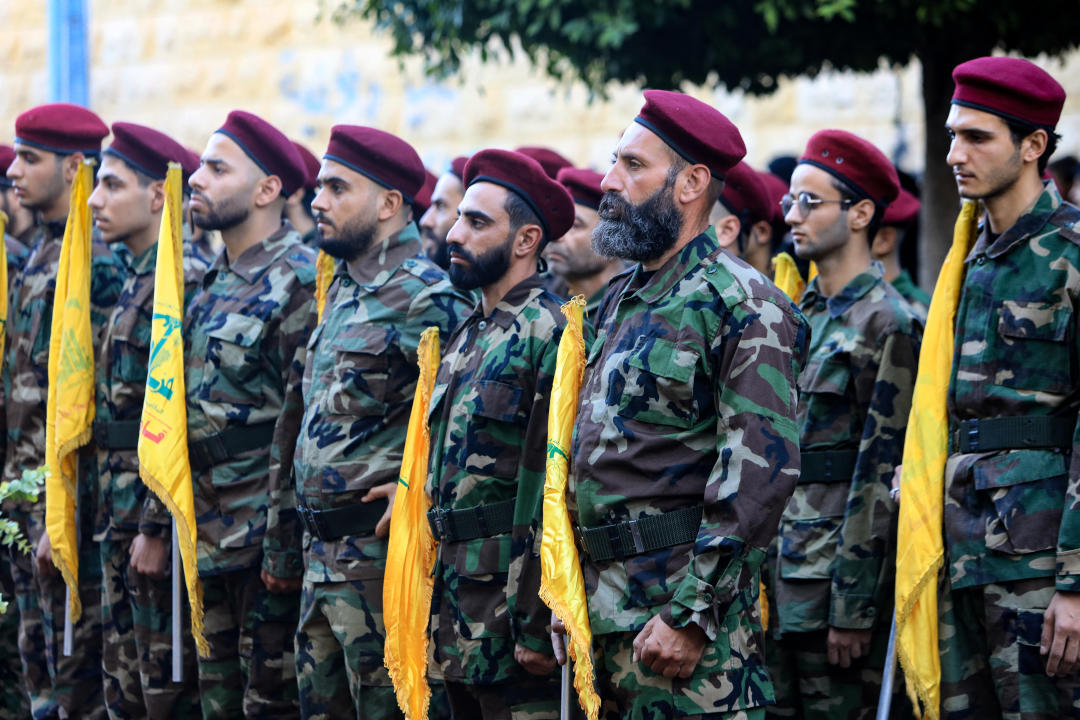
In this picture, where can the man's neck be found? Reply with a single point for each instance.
(361, 264)
(1005, 209)
(138, 242)
(249, 233)
(494, 293)
(58, 210)
(299, 219)
(592, 284)
(891, 263)
(838, 269)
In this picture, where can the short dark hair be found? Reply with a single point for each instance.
(521, 214)
(848, 193)
(1020, 130)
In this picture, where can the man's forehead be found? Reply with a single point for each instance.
(485, 197)
(808, 177)
(448, 187)
(112, 166)
(962, 117)
(334, 169)
(641, 140)
(222, 147)
(31, 150)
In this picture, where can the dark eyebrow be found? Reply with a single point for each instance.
(476, 215)
(213, 161)
(332, 179)
(109, 175)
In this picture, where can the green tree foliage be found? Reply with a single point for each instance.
(25, 489)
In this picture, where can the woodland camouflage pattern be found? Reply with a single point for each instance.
(836, 560)
(488, 418)
(689, 400)
(916, 297)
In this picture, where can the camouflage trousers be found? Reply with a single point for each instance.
(809, 688)
(989, 639)
(59, 686)
(251, 671)
(13, 700)
(534, 698)
(136, 632)
(631, 691)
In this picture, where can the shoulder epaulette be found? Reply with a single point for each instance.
(302, 264)
(428, 272)
(1067, 219)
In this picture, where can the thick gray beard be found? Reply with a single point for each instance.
(638, 233)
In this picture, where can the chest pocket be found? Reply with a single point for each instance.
(1035, 350)
(659, 384)
(494, 434)
(131, 353)
(233, 352)
(825, 411)
(357, 381)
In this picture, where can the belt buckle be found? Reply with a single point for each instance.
(635, 533)
(307, 516)
(973, 435)
(440, 524)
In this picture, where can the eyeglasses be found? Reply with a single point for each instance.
(807, 203)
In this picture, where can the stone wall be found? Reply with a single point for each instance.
(181, 65)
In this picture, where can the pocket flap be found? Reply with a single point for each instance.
(827, 375)
(1033, 320)
(497, 400)
(658, 356)
(360, 339)
(1017, 467)
(241, 330)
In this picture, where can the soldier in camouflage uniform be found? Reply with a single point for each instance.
(20, 220)
(902, 214)
(133, 526)
(245, 332)
(359, 383)
(488, 445)
(437, 220)
(51, 141)
(571, 258)
(742, 218)
(1009, 643)
(834, 574)
(685, 448)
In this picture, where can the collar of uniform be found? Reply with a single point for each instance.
(851, 293)
(1031, 221)
(512, 303)
(675, 269)
(375, 266)
(254, 261)
(141, 265)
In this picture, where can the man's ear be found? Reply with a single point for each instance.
(860, 214)
(267, 190)
(71, 166)
(761, 233)
(157, 196)
(389, 204)
(727, 233)
(695, 184)
(527, 240)
(884, 242)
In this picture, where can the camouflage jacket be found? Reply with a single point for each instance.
(915, 296)
(124, 505)
(359, 383)
(836, 561)
(1012, 514)
(689, 401)
(489, 415)
(245, 334)
(26, 361)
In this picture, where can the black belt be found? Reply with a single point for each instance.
(470, 523)
(356, 520)
(827, 466)
(633, 537)
(1013, 433)
(116, 435)
(221, 446)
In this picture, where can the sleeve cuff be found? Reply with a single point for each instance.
(1068, 570)
(852, 612)
(536, 644)
(695, 601)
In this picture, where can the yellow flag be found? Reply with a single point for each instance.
(811, 273)
(163, 444)
(562, 585)
(920, 545)
(69, 412)
(3, 286)
(786, 276)
(410, 553)
(324, 275)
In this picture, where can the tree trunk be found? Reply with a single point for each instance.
(940, 201)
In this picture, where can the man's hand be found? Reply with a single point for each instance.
(149, 556)
(388, 491)
(1061, 634)
(44, 555)
(534, 663)
(279, 586)
(843, 646)
(895, 492)
(558, 639)
(669, 651)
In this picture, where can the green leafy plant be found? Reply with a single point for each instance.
(25, 489)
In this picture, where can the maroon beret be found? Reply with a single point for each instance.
(551, 161)
(745, 195)
(311, 166)
(190, 164)
(7, 156)
(61, 128)
(145, 149)
(902, 211)
(384, 158)
(856, 162)
(457, 166)
(423, 198)
(525, 177)
(1010, 87)
(267, 147)
(699, 133)
(584, 186)
(776, 189)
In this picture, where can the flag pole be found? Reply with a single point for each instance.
(69, 627)
(887, 676)
(564, 697)
(177, 615)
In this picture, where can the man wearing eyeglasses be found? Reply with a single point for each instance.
(835, 568)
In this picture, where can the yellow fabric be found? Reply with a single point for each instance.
(163, 444)
(562, 585)
(3, 286)
(410, 552)
(324, 275)
(786, 276)
(812, 272)
(920, 545)
(69, 411)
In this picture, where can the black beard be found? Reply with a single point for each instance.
(638, 233)
(439, 251)
(483, 270)
(351, 240)
(226, 216)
